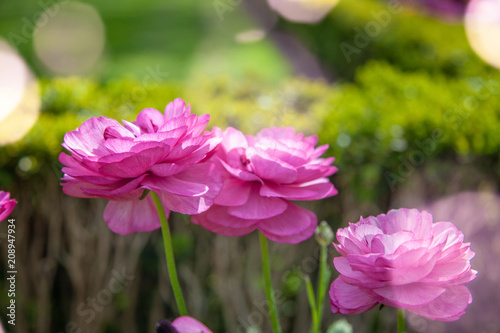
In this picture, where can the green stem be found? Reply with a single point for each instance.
(266, 270)
(401, 320)
(169, 254)
(323, 281)
(312, 304)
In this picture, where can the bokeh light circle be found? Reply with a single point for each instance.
(304, 11)
(482, 24)
(20, 99)
(72, 40)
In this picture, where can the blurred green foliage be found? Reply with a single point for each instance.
(182, 39)
(423, 87)
(392, 33)
(384, 114)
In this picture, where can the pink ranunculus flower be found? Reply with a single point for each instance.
(184, 324)
(261, 175)
(403, 260)
(163, 153)
(6, 205)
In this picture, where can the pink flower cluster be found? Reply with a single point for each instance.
(403, 260)
(262, 174)
(158, 152)
(232, 184)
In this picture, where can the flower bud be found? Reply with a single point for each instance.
(324, 234)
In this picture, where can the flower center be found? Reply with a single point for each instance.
(244, 161)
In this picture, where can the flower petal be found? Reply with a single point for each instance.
(258, 207)
(123, 187)
(322, 188)
(406, 220)
(294, 221)
(175, 184)
(292, 239)
(409, 295)
(348, 299)
(167, 169)
(134, 165)
(6, 205)
(88, 139)
(268, 167)
(232, 139)
(199, 176)
(125, 217)
(310, 172)
(449, 306)
(177, 108)
(240, 174)
(149, 120)
(187, 324)
(223, 224)
(234, 192)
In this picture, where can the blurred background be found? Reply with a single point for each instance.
(406, 93)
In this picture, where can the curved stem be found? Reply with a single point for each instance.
(169, 255)
(266, 271)
(312, 304)
(323, 280)
(401, 320)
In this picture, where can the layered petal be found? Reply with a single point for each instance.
(190, 192)
(268, 167)
(217, 220)
(349, 299)
(409, 295)
(160, 152)
(292, 226)
(235, 192)
(125, 217)
(316, 190)
(177, 108)
(186, 324)
(258, 207)
(403, 259)
(261, 174)
(449, 306)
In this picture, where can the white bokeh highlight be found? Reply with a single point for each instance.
(20, 99)
(71, 42)
(303, 11)
(482, 25)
